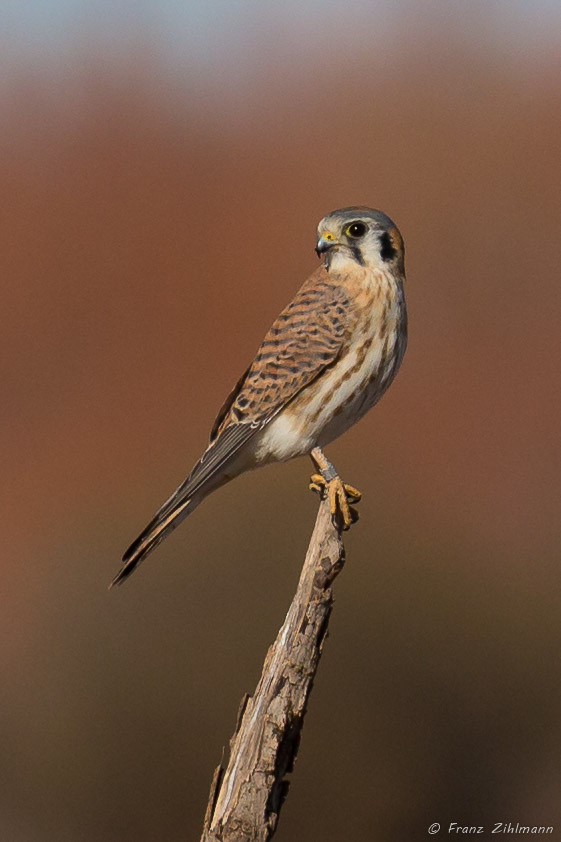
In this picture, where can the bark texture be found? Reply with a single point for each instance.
(246, 797)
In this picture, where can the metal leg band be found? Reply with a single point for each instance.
(329, 472)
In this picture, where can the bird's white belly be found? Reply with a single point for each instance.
(282, 439)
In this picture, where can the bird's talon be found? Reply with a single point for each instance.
(353, 494)
(343, 513)
(317, 484)
(340, 496)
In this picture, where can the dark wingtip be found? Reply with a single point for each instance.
(133, 549)
(156, 531)
(117, 580)
(131, 559)
(124, 573)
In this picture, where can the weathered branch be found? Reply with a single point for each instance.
(246, 797)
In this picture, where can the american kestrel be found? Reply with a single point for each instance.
(328, 358)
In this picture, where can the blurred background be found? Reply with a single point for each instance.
(163, 167)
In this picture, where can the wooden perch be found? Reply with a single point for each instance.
(246, 797)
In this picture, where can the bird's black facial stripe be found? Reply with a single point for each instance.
(357, 255)
(387, 249)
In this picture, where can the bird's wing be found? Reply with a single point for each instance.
(227, 405)
(303, 342)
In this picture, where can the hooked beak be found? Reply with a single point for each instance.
(325, 242)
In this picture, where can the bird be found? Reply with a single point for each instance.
(326, 360)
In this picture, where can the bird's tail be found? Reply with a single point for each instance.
(207, 475)
(162, 524)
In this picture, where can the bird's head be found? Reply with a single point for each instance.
(359, 235)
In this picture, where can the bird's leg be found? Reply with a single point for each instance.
(340, 494)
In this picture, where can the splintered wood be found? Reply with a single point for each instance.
(246, 797)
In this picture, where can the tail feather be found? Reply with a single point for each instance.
(156, 531)
(207, 475)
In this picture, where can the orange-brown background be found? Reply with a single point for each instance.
(157, 210)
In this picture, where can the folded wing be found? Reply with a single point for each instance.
(304, 341)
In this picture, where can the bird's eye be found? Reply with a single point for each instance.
(356, 230)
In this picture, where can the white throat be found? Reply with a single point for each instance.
(341, 260)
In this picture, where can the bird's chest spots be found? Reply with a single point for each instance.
(350, 375)
(364, 370)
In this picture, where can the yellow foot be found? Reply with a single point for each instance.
(340, 496)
